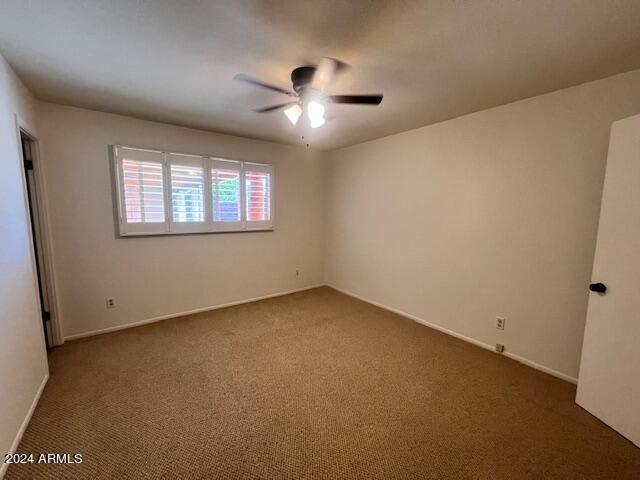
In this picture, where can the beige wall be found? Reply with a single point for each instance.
(494, 213)
(157, 276)
(23, 361)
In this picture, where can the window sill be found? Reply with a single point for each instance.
(172, 234)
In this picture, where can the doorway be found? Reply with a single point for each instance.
(38, 233)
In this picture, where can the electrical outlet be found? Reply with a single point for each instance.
(111, 303)
(499, 348)
(297, 272)
(500, 323)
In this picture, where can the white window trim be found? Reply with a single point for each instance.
(169, 227)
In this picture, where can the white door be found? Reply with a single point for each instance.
(609, 381)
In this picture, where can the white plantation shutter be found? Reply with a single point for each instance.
(226, 194)
(258, 199)
(141, 191)
(169, 193)
(187, 179)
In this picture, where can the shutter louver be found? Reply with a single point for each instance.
(187, 188)
(225, 191)
(258, 196)
(143, 191)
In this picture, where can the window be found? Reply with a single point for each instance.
(168, 193)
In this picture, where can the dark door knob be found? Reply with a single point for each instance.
(598, 287)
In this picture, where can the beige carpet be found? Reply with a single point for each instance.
(310, 385)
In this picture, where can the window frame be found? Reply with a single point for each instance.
(171, 227)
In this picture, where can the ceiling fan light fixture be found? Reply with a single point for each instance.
(293, 113)
(309, 83)
(315, 110)
(317, 122)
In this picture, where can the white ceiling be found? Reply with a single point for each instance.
(173, 61)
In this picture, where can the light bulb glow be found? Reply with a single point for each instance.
(315, 111)
(293, 113)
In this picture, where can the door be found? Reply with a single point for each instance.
(36, 231)
(609, 380)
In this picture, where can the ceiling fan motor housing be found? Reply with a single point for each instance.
(301, 77)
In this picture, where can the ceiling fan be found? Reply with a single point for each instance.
(309, 84)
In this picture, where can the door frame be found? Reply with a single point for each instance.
(24, 128)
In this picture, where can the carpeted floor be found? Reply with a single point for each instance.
(311, 385)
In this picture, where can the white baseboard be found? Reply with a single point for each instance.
(513, 356)
(23, 427)
(188, 312)
(422, 321)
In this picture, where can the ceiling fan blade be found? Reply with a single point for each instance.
(326, 72)
(247, 79)
(373, 99)
(273, 107)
